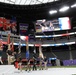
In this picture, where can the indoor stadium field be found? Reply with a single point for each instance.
(37, 37)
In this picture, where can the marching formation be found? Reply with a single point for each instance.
(14, 58)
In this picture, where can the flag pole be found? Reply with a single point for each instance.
(40, 52)
(12, 47)
(8, 41)
(27, 47)
(9, 49)
(19, 51)
(34, 51)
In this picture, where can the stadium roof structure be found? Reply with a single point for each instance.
(27, 2)
(28, 11)
(31, 10)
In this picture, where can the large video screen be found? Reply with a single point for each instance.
(52, 25)
(8, 25)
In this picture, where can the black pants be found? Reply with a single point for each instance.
(34, 67)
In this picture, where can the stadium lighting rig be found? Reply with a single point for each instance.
(74, 5)
(63, 9)
(53, 12)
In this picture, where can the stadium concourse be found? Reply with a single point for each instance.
(11, 70)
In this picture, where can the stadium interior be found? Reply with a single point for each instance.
(56, 44)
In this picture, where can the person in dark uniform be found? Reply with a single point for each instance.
(34, 64)
(15, 54)
(9, 54)
(1, 50)
(45, 62)
(20, 64)
(1, 57)
(38, 62)
(19, 55)
(41, 63)
(28, 67)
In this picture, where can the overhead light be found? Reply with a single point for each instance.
(74, 5)
(63, 9)
(53, 11)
